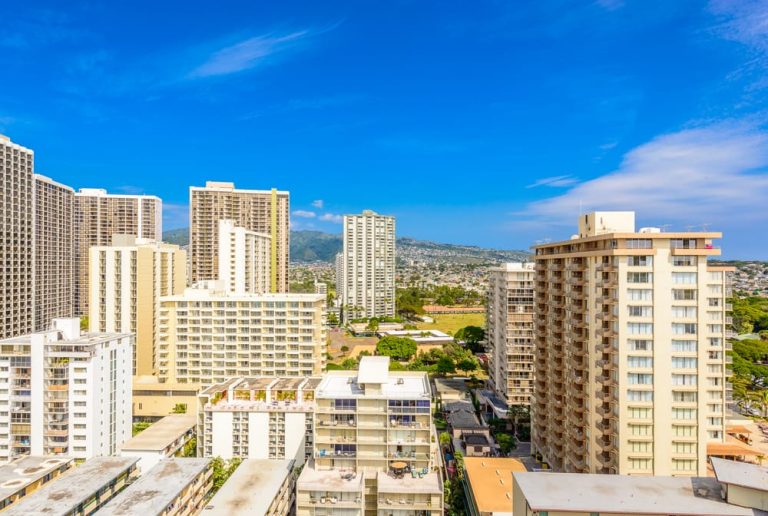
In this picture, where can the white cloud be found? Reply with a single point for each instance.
(745, 21)
(318, 203)
(331, 217)
(246, 54)
(555, 181)
(306, 214)
(708, 174)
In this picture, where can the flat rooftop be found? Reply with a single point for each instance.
(162, 434)
(21, 472)
(451, 385)
(581, 492)
(491, 482)
(741, 474)
(332, 480)
(428, 484)
(85, 339)
(72, 488)
(156, 489)
(344, 384)
(251, 488)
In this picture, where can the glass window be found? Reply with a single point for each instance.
(685, 345)
(640, 345)
(642, 362)
(683, 261)
(684, 278)
(684, 312)
(639, 277)
(687, 294)
(684, 328)
(640, 294)
(684, 363)
(639, 261)
(640, 311)
(640, 328)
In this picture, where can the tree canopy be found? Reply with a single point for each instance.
(397, 348)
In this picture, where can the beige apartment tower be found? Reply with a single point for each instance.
(510, 331)
(126, 281)
(17, 237)
(367, 266)
(54, 251)
(98, 216)
(630, 337)
(261, 211)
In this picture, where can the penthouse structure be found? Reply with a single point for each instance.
(244, 259)
(127, 279)
(510, 332)
(258, 418)
(366, 282)
(54, 251)
(206, 336)
(69, 393)
(375, 449)
(630, 340)
(98, 216)
(260, 211)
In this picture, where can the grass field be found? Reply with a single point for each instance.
(449, 323)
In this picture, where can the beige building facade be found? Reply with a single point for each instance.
(509, 321)
(98, 216)
(630, 361)
(127, 280)
(206, 335)
(261, 211)
(244, 258)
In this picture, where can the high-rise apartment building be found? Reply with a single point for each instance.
(17, 238)
(244, 258)
(68, 393)
(127, 280)
(98, 216)
(54, 251)
(207, 335)
(261, 211)
(630, 358)
(368, 266)
(375, 448)
(510, 331)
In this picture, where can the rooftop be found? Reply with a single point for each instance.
(373, 370)
(157, 488)
(21, 472)
(72, 488)
(332, 480)
(464, 419)
(398, 385)
(214, 290)
(251, 488)
(454, 406)
(741, 474)
(162, 434)
(577, 492)
(476, 439)
(428, 484)
(491, 482)
(451, 385)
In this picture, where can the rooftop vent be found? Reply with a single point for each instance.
(650, 230)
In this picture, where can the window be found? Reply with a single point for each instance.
(715, 328)
(640, 413)
(640, 328)
(639, 277)
(639, 379)
(639, 261)
(640, 446)
(640, 345)
(683, 431)
(640, 311)
(715, 276)
(683, 261)
(683, 413)
(342, 404)
(684, 379)
(640, 429)
(639, 243)
(641, 362)
(641, 464)
(684, 363)
(684, 397)
(684, 328)
(640, 294)
(684, 464)
(684, 345)
(684, 278)
(683, 243)
(633, 395)
(684, 312)
(684, 294)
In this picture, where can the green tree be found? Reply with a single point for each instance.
(373, 325)
(179, 408)
(222, 470)
(445, 366)
(350, 363)
(398, 348)
(84, 323)
(445, 439)
(472, 336)
(467, 364)
(344, 349)
(506, 442)
(333, 319)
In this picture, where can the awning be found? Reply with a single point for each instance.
(731, 448)
(737, 429)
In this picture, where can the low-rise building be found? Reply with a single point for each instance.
(582, 494)
(421, 337)
(742, 483)
(80, 491)
(69, 392)
(160, 441)
(257, 487)
(488, 485)
(258, 418)
(153, 400)
(451, 389)
(25, 475)
(174, 487)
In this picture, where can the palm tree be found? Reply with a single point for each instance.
(762, 400)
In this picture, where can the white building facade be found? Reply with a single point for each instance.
(244, 259)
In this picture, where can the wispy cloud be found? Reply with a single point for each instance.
(555, 181)
(130, 189)
(709, 173)
(331, 217)
(305, 214)
(175, 215)
(247, 54)
(318, 203)
(610, 5)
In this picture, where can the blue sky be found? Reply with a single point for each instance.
(483, 122)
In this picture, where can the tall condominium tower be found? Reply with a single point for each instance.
(510, 331)
(17, 236)
(207, 335)
(261, 211)
(54, 251)
(98, 216)
(244, 258)
(368, 265)
(68, 393)
(127, 280)
(630, 349)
